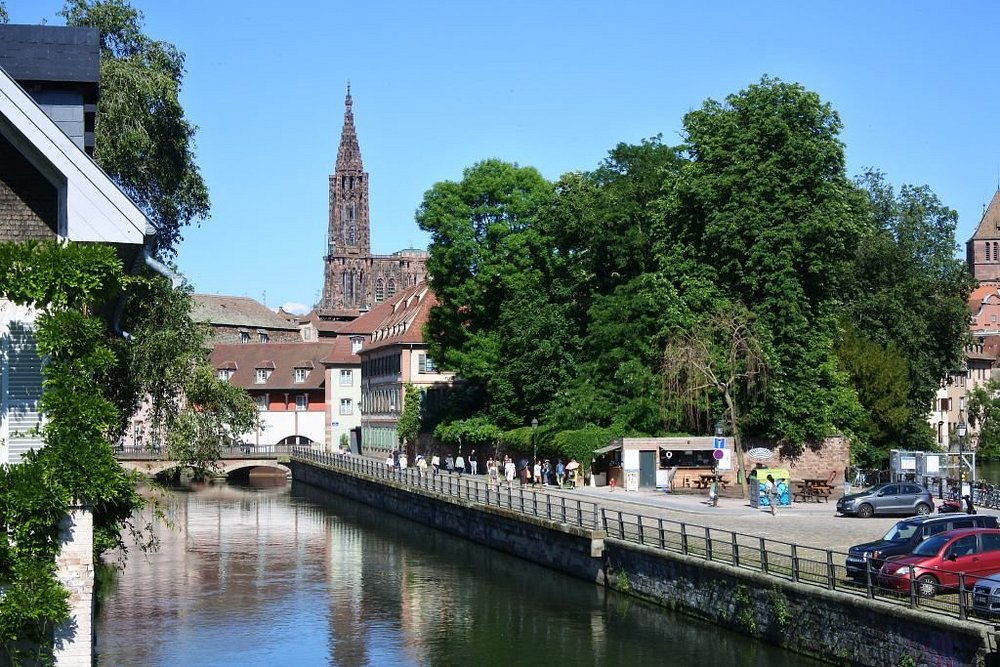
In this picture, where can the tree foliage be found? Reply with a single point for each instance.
(558, 300)
(408, 427)
(984, 414)
(144, 142)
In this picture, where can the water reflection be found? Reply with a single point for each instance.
(300, 577)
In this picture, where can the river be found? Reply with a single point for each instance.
(290, 575)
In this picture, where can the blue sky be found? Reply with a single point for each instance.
(440, 85)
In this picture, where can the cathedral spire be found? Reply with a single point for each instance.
(349, 154)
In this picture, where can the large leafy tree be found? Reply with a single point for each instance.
(910, 292)
(144, 142)
(764, 201)
(487, 265)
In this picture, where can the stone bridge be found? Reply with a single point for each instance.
(152, 462)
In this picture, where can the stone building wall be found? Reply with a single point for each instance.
(74, 645)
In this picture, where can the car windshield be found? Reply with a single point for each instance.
(931, 546)
(872, 490)
(901, 532)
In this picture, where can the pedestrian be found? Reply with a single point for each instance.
(546, 472)
(473, 463)
(388, 462)
(491, 470)
(536, 473)
(560, 473)
(395, 458)
(421, 465)
(509, 470)
(449, 464)
(435, 465)
(460, 464)
(771, 491)
(401, 463)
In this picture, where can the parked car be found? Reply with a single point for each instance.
(891, 498)
(905, 535)
(986, 595)
(938, 562)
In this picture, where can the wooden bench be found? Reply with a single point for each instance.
(804, 494)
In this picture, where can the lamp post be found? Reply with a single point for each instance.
(962, 429)
(534, 440)
(718, 429)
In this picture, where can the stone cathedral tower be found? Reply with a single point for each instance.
(353, 279)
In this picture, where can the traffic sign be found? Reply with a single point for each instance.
(719, 454)
(720, 443)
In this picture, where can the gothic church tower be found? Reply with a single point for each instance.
(353, 279)
(349, 233)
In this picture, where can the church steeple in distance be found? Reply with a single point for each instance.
(349, 155)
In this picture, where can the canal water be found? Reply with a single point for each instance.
(290, 575)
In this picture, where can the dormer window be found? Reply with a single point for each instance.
(223, 374)
(244, 337)
(355, 344)
(262, 375)
(262, 337)
(300, 374)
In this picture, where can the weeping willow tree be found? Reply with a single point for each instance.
(720, 358)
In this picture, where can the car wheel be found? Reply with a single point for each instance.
(865, 511)
(923, 509)
(927, 586)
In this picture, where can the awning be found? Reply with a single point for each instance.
(605, 450)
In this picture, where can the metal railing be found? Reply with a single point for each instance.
(811, 566)
(510, 497)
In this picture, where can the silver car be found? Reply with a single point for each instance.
(986, 595)
(891, 498)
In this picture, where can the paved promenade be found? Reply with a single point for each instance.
(811, 524)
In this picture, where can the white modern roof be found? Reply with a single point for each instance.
(91, 206)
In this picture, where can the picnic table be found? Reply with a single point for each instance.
(705, 480)
(812, 490)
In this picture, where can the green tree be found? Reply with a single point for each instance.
(486, 265)
(143, 140)
(765, 203)
(408, 427)
(910, 292)
(984, 414)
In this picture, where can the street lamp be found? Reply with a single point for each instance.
(534, 440)
(718, 429)
(962, 429)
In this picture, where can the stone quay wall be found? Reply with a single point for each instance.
(563, 547)
(828, 625)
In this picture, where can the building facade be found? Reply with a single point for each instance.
(354, 280)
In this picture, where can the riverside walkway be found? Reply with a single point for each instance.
(804, 543)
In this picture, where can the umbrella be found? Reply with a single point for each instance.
(572, 465)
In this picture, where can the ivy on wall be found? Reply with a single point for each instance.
(70, 286)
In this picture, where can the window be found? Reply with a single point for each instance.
(426, 364)
(346, 406)
(261, 377)
(346, 378)
(244, 337)
(301, 402)
(262, 337)
(300, 374)
(391, 289)
(356, 344)
(379, 291)
(224, 374)
(262, 403)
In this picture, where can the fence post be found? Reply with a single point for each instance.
(763, 555)
(831, 572)
(562, 502)
(708, 543)
(736, 550)
(642, 532)
(663, 540)
(913, 589)
(795, 563)
(684, 539)
(962, 603)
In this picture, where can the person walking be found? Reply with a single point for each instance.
(560, 473)
(771, 491)
(536, 473)
(473, 463)
(449, 464)
(491, 470)
(509, 470)
(460, 464)
(435, 465)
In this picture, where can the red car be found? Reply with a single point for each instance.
(938, 561)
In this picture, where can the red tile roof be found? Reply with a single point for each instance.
(397, 320)
(282, 359)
